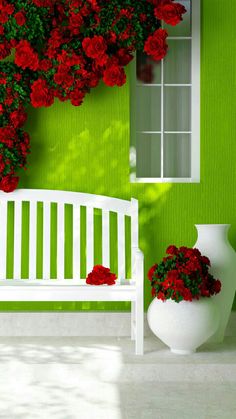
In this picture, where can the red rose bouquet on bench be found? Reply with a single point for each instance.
(101, 276)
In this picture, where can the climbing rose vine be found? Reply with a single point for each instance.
(62, 49)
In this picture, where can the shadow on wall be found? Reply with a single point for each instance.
(83, 157)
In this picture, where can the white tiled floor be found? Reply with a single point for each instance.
(101, 378)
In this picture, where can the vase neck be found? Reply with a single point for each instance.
(212, 232)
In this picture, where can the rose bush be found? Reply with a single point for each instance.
(62, 49)
(183, 275)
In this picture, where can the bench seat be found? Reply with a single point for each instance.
(65, 290)
(46, 204)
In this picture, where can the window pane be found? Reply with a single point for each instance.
(177, 108)
(177, 65)
(177, 155)
(148, 115)
(148, 70)
(148, 155)
(183, 28)
(164, 114)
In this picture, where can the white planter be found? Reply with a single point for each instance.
(183, 326)
(213, 243)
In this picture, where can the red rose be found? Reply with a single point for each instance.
(3, 17)
(153, 292)
(7, 133)
(101, 276)
(9, 183)
(171, 250)
(205, 260)
(94, 47)
(41, 95)
(77, 97)
(60, 95)
(178, 285)
(186, 293)
(9, 9)
(124, 56)
(114, 75)
(17, 76)
(193, 265)
(217, 286)
(2, 166)
(173, 275)
(205, 292)
(170, 12)
(4, 50)
(26, 57)
(20, 18)
(112, 37)
(3, 78)
(45, 65)
(64, 78)
(151, 272)
(102, 61)
(161, 296)
(156, 45)
(18, 118)
(183, 249)
(75, 21)
(93, 80)
(143, 17)
(43, 3)
(196, 252)
(24, 147)
(168, 283)
(5, 10)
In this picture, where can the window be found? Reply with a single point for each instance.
(165, 107)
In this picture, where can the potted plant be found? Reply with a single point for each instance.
(182, 315)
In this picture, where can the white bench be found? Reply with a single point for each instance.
(75, 288)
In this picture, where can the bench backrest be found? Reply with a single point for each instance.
(21, 210)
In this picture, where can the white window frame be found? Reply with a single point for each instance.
(195, 108)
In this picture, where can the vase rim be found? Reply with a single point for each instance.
(195, 300)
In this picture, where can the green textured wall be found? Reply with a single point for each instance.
(87, 149)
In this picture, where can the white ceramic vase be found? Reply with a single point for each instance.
(183, 326)
(213, 243)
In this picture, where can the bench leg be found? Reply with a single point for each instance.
(139, 312)
(133, 322)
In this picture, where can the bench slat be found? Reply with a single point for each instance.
(89, 239)
(76, 241)
(60, 240)
(121, 246)
(17, 239)
(3, 239)
(106, 238)
(46, 239)
(32, 239)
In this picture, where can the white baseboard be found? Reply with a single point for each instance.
(75, 324)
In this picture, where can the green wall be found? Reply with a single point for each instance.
(87, 149)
